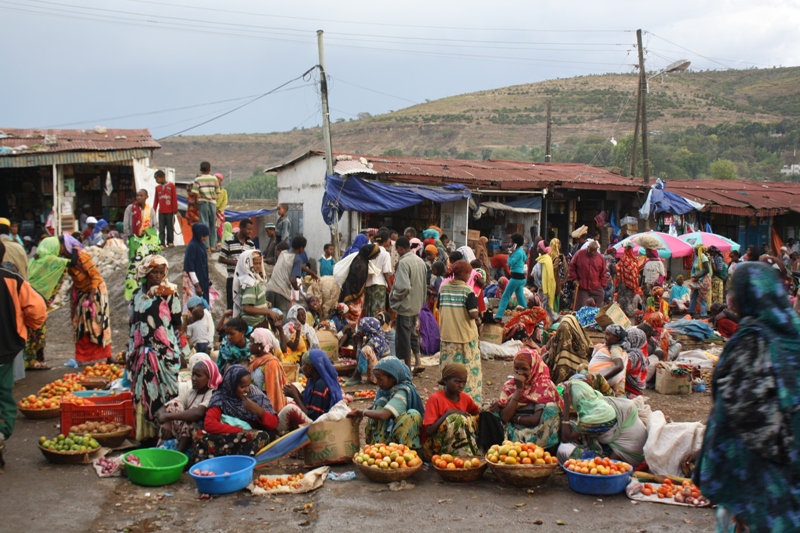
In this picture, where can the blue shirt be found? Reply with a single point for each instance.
(326, 266)
(516, 261)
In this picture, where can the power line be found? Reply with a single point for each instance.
(715, 58)
(373, 90)
(259, 97)
(690, 51)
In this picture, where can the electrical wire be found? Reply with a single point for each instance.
(373, 90)
(690, 51)
(253, 100)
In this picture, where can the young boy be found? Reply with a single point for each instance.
(166, 206)
(327, 261)
(201, 329)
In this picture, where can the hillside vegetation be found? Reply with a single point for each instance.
(749, 117)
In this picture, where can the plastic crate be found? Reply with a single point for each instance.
(117, 408)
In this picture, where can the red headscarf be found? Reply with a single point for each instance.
(628, 269)
(539, 388)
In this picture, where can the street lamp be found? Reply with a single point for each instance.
(678, 66)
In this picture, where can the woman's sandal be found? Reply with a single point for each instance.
(418, 370)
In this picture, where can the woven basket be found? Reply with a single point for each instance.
(68, 458)
(94, 383)
(379, 475)
(40, 414)
(345, 370)
(522, 475)
(463, 475)
(110, 440)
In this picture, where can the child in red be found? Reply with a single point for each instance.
(450, 425)
(166, 203)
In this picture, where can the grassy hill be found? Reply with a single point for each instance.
(506, 122)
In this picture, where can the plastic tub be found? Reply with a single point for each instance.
(91, 393)
(239, 476)
(159, 466)
(597, 485)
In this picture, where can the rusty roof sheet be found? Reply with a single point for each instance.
(30, 141)
(737, 196)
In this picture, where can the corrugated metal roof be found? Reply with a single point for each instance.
(53, 141)
(39, 159)
(740, 197)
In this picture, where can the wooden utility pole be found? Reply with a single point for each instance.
(635, 153)
(326, 134)
(643, 109)
(548, 139)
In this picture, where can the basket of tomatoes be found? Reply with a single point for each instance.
(459, 469)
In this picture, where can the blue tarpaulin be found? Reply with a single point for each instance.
(529, 202)
(230, 215)
(660, 200)
(368, 196)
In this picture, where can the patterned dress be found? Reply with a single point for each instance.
(154, 355)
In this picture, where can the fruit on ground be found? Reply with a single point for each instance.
(388, 456)
(519, 453)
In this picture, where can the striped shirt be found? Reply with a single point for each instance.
(206, 187)
(232, 249)
(257, 297)
(456, 300)
(84, 274)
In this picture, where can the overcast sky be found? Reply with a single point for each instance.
(80, 63)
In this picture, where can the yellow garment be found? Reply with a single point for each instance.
(548, 279)
(147, 214)
(222, 200)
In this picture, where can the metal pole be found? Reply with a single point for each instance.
(635, 152)
(547, 154)
(643, 108)
(326, 134)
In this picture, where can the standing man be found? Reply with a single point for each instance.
(14, 253)
(229, 255)
(206, 187)
(167, 206)
(269, 252)
(286, 276)
(406, 299)
(283, 226)
(138, 216)
(378, 285)
(588, 269)
(22, 309)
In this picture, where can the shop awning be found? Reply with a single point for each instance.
(368, 196)
(517, 206)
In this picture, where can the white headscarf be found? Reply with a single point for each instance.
(266, 338)
(244, 277)
(469, 255)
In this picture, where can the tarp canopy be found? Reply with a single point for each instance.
(529, 204)
(368, 196)
(230, 215)
(660, 200)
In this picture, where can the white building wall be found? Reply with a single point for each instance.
(304, 183)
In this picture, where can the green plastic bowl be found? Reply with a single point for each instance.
(159, 466)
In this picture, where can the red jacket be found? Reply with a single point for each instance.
(590, 272)
(213, 422)
(166, 199)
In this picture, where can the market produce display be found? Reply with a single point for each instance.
(101, 370)
(687, 492)
(132, 459)
(206, 473)
(368, 394)
(107, 466)
(69, 443)
(39, 402)
(598, 466)
(447, 461)
(519, 453)
(98, 428)
(60, 387)
(273, 483)
(387, 456)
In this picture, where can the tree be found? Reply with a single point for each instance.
(258, 186)
(693, 164)
(723, 169)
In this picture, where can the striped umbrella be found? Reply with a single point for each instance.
(724, 244)
(667, 245)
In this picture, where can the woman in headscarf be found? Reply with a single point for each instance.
(195, 267)
(235, 345)
(300, 337)
(353, 288)
(451, 423)
(467, 253)
(458, 312)
(177, 416)
(373, 348)
(265, 366)
(358, 242)
(88, 304)
(140, 247)
(97, 238)
(628, 276)
(396, 415)
(653, 272)
(636, 372)
(222, 205)
(548, 279)
(227, 231)
(755, 422)
(718, 277)
(560, 271)
(567, 349)
(529, 403)
(679, 295)
(701, 281)
(481, 253)
(239, 419)
(320, 394)
(610, 358)
(46, 272)
(606, 426)
(656, 303)
(249, 294)
(154, 350)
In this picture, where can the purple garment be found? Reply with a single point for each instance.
(429, 339)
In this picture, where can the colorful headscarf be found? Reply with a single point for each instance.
(628, 269)
(71, 243)
(590, 405)
(214, 377)
(358, 242)
(538, 389)
(453, 370)
(618, 331)
(402, 375)
(194, 301)
(46, 269)
(226, 399)
(265, 338)
(432, 249)
(636, 373)
(319, 360)
(165, 288)
(375, 337)
(246, 276)
(700, 250)
(555, 248)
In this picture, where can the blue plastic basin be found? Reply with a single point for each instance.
(597, 485)
(240, 474)
(91, 393)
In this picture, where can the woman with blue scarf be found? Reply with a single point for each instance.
(321, 393)
(375, 346)
(517, 264)
(748, 464)
(396, 415)
(98, 237)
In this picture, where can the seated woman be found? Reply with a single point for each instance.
(638, 363)
(321, 393)
(656, 303)
(610, 360)
(725, 321)
(567, 350)
(529, 403)
(178, 415)
(450, 424)
(679, 296)
(238, 421)
(607, 426)
(265, 366)
(396, 415)
(300, 337)
(373, 348)
(314, 316)
(235, 347)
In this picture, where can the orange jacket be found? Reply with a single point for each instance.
(21, 308)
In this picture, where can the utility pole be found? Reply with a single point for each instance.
(635, 153)
(548, 139)
(643, 109)
(326, 134)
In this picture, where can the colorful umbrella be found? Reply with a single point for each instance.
(670, 246)
(724, 244)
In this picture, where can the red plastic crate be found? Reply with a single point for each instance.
(117, 408)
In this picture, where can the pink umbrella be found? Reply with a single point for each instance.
(724, 244)
(669, 246)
